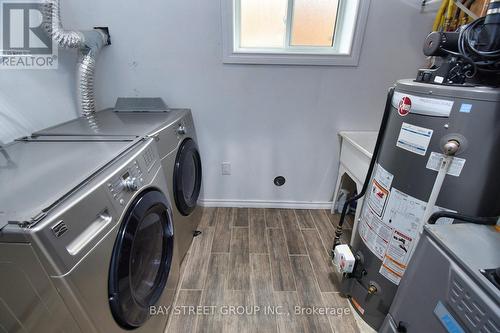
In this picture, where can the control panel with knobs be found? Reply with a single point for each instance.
(130, 180)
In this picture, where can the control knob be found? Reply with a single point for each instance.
(181, 130)
(130, 184)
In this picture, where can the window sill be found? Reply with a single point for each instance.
(290, 59)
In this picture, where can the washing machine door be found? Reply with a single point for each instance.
(141, 260)
(187, 177)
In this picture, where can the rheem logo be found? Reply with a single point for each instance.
(404, 106)
(25, 44)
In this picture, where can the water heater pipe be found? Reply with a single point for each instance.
(89, 43)
(470, 219)
(436, 189)
(450, 149)
(383, 126)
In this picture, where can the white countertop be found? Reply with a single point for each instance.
(364, 141)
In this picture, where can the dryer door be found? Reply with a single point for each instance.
(141, 260)
(187, 177)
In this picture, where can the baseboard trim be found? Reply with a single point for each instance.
(265, 204)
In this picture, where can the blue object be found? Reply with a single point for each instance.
(466, 108)
(445, 317)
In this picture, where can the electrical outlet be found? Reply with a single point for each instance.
(226, 168)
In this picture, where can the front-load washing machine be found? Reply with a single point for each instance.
(86, 236)
(175, 135)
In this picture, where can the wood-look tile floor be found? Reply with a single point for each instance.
(261, 270)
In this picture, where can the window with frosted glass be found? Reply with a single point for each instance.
(263, 23)
(313, 22)
(287, 24)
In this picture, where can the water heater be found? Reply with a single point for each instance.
(440, 151)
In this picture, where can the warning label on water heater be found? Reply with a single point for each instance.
(397, 256)
(404, 212)
(383, 177)
(390, 224)
(374, 232)
(378, 197)
(414, 138)
(379, 191)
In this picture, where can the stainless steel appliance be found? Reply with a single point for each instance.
(438, 152)
(175, 136)
(452, 284)
(436, 156)
(86, 239)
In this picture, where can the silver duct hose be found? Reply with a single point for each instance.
(86, 74)
(85, 91)
(89, 44)
(53, 26)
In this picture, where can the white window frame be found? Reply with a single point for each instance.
(233, 54)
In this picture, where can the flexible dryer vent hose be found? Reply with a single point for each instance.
(89, 44)
(53, 26)
(86, 75)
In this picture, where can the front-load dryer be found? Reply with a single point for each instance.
(175, 135)
(87, 240)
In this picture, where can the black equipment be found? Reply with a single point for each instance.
(468, 56)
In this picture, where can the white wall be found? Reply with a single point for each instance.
(265, 120)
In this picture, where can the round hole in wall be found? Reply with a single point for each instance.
(279, 181)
